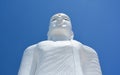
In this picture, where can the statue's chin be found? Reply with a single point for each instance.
(60, 34)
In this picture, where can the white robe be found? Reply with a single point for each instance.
(60, 58)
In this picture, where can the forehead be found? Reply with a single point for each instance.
(60, 15)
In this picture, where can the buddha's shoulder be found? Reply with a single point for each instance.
(34, 47)
(89, 49)
(76, 43)
(84, 47)
(30, 49)
(46, 42)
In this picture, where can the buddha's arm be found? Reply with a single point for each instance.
(28, 63)
(91, 64)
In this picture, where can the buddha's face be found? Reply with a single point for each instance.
(60, 20)
(60, 26)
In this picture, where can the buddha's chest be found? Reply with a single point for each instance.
(56, 61)
(58, 58)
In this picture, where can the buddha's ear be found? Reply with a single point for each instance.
(48, 35)
(72, 35)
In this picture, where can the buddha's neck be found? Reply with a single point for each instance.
(57, 38)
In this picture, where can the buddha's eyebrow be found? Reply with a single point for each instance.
(54, 18)
(66, 18)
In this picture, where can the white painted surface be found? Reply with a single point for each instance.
(60, 54)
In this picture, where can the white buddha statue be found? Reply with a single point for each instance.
(60, 54)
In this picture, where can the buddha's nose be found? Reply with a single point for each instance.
(60, 18)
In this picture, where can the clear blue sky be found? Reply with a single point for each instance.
(96, 23)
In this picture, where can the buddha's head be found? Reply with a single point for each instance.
(60, 28)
